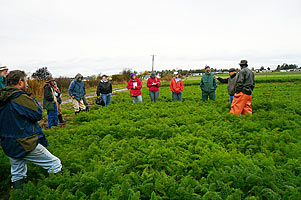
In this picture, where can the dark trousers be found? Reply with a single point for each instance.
(205, 95)
(177, 96)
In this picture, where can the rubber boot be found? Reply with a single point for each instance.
(18, 185)
(61, 118)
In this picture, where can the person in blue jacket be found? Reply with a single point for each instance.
(77, 92)
(208, 85)
(22, 139)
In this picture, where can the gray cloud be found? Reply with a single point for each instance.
(107, 36)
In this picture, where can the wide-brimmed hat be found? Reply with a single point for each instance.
(3, 68)
(231, 70)
(153, 74)
(49, 79)
(175, 73)
(243, 62)
(104, 76)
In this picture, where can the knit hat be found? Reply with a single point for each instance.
(153, 74)
(175, 73)
(132, 74)
(207, 67)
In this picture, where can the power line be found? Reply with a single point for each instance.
(153, 61)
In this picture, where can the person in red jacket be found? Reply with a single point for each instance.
(176, 86)
(153, 83)
(135, 86)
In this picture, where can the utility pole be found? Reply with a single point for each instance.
(153, 61)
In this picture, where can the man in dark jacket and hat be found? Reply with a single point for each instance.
(231, 80)
(244, 87)
(22, 139)
(77, 92)
(50, 102)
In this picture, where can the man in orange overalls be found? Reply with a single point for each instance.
(244, 87)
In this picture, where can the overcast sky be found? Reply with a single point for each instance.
(98, 36)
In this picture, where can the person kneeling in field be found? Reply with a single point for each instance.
(176, 87)
(135, 86)
(22, 139)
(231, 80)
(77, 92)
(244, 87)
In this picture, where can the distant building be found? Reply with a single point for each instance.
(196, 74)
(265, 71)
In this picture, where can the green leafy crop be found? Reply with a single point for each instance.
(176, 150)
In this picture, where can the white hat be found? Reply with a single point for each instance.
(3, 68)
(175, 73)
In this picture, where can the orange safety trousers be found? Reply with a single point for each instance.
(241, 104)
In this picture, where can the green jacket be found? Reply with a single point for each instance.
(48, 100)
(2, 84)
(208, 83)
(245, 81)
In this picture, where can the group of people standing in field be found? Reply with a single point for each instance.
(22, 138)
(153, 83)
(240, 87)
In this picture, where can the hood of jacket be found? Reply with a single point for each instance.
(7, 92)
(78, 76)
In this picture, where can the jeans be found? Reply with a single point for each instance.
(177, 96)
(39, 156)
(205, 95)
(106, 98)
(231, 99)
(52, 117)
(137, 99)
(154, 96)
